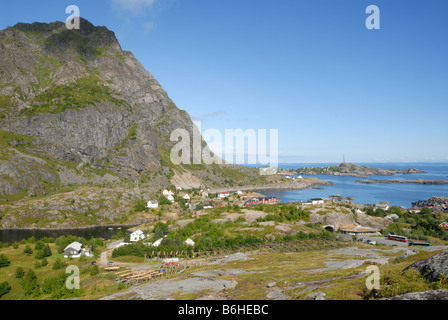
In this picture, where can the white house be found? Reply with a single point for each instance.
(152, 204)
(203, 193)
(189, 242)
(383, 206)
(168, 192)
(137, 235)
(170, 198)
(317, 201)
(223, 194)
(157, 243)
(185, 196)
(75, 250)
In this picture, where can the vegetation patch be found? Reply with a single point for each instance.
(87, 91)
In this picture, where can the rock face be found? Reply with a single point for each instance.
(440, 294)
(434, 268)
(82, 99)
(75, 99)
(338, 219)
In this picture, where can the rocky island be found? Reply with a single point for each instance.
(354, 170)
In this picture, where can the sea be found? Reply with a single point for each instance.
(397, 194)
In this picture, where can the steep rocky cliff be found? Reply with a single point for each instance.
(76, 111)
(81, 109)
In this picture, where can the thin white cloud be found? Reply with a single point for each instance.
(207, 116)
(147, 26)
(135, 7)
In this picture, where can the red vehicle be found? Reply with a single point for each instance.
(397, 238)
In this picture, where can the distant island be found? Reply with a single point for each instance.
(354, 170)
(416, 181)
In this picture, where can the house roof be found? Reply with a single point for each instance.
(74, 245)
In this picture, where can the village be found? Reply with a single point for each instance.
(200, 200)
(195, 228)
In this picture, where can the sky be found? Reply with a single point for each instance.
(311, 69)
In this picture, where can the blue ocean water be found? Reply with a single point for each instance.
(396, 194)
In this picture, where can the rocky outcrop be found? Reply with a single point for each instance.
(440, 294)
(20, 172)
(434, 268)
(372, 222)
(336, 219)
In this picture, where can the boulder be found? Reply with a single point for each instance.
(440, 294)
(434, 268)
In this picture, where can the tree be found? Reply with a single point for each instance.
(59, 264)
(19, 273)
(29, 283)
(4, 288)
(28, 250)
(140, 206)
(39, 245)
(94, 270)
(426, 212)
(4, 262)
(45, 252)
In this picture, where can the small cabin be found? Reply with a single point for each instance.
(152, 204)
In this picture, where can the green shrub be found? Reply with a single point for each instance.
(4, 288)
(94, 270)
(59, 264)
(4, 261)
(19, 273)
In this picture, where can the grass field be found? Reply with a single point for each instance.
(91, 286)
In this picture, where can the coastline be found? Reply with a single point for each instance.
(418, 181)
(279, 186)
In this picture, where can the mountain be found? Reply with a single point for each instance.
(77, 110)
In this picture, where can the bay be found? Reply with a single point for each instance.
(397, 194)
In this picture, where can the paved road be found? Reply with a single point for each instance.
(384, 240)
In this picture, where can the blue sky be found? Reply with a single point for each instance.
(310, 69)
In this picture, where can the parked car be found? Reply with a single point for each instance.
(92, 263)
(110, 263)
